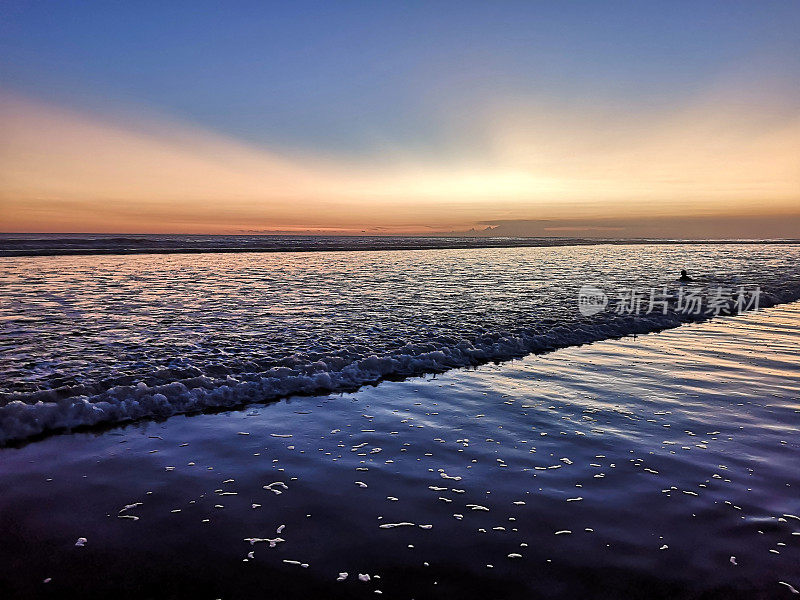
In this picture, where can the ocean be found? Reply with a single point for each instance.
(425, 423)
(103, 339)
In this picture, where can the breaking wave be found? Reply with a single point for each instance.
(189, 385)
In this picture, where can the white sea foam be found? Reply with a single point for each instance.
(340, 365)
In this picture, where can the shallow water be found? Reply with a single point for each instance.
(656, 466)
(105, 339)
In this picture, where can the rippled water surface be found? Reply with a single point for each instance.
(92, 339)
(655, 466)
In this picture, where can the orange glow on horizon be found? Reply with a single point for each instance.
(61, 170)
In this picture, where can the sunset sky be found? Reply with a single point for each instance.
(640, 118)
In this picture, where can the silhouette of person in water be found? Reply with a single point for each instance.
(684, 276)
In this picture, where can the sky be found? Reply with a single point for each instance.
(540, 118)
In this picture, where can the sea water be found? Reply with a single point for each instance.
(102, 339)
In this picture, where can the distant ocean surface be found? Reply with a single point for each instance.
(32, 244)
(108, 338)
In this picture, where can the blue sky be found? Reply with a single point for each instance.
(344, 76)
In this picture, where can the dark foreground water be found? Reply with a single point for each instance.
(660, 466)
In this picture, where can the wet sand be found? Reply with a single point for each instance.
(657, 466)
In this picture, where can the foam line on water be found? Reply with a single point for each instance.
(30, 415)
